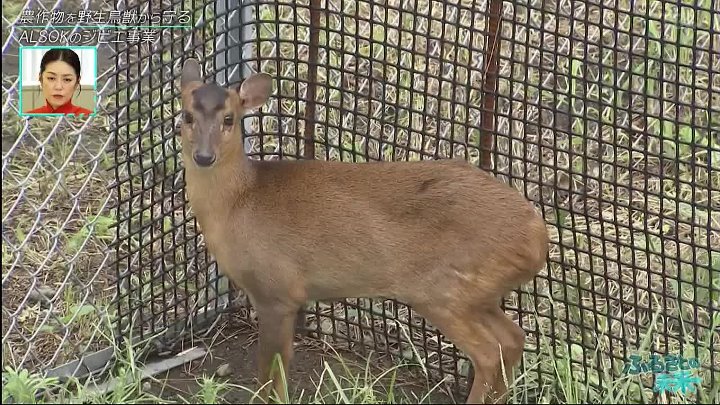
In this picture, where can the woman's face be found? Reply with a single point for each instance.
(58, 83)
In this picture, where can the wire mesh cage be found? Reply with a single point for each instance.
(605, 114)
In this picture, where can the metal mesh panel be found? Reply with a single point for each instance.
(168, 283)
(605, 118)
(164, 275)
(605, 114)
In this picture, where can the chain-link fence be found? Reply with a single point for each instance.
(605, 114)
(57, 218)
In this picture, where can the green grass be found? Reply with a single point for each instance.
(338, 380)
(627, 180)
(341, 384)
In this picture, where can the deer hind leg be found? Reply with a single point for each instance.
(511, 338)
(276, 333)
(476, 333)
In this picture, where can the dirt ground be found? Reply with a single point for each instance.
(235, 345)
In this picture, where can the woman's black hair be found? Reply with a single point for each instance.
(61, 54)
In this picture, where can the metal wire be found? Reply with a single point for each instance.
(56, 218)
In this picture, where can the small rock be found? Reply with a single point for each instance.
(224, 370)
(41, 295)
(147, 386)
(47, 291)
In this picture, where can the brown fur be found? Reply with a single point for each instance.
(442, 236)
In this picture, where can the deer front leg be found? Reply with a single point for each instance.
(277, 329)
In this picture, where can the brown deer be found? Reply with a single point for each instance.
(442, 236)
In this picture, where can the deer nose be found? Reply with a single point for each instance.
(204, 160)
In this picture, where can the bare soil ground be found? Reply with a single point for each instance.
(236, 345)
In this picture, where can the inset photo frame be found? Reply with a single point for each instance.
(58, 80)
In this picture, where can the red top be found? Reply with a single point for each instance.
(67, 108)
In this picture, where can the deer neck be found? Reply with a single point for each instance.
(213, 192)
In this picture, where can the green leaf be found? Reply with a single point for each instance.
(577, 352)
(715, 262)
(167, 225)
(102, 226)
(668, 130)
(47, 328)
(686, 134)
(78, 238)
(378, 34)
(19, 235)
(80, 312)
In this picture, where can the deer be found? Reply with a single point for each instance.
(442, 236)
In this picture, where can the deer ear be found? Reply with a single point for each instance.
(190, 73)
(255, 91)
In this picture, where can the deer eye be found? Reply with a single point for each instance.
(228, 120)
(188, 117)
